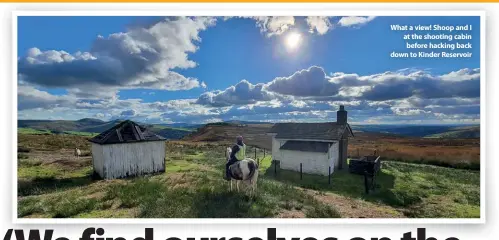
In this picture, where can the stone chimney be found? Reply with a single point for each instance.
(341, 115)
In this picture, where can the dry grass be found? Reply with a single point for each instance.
(458, 153)
(28, 142)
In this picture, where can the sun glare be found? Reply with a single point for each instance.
(293, 40)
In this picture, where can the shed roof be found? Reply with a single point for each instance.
(126, 132)
(311, 131)
(306, 146)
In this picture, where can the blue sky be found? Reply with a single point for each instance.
(163, 70)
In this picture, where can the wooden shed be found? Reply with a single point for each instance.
(126, 150)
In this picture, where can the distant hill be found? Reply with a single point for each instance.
(254, 134)
(90, 121)
(459, 132)
(225, 130)
(93, 126)
(441, 131)
(100, 127)
(182, 125)
(59, 125)
(245, 122)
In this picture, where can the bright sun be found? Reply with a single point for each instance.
(293, 40)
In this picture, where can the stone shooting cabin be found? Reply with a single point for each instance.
(127, 150)
(314, 148)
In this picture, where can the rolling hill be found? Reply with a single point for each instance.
(229, 129)
(459, 132)
(91, 127)
(420, 130)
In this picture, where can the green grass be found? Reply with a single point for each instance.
(207, 199)
(33, 131)
(35, 178)
(421, 190)
(38, 172)
(60, 205)
(192, 187)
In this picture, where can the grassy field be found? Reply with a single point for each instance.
(51, 183)
(32, 131)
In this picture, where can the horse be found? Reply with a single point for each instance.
(245, 170)
(77, 153)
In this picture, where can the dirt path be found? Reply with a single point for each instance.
(354, 208)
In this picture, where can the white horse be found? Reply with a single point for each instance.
(246, 170)
(77, 153)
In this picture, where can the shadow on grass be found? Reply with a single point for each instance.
(224, 204)
(39, 186)
(204, 202)
(212, 199)
(342, 183)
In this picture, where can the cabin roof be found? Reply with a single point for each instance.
(306, 146)
(126, 132)
(311, 131)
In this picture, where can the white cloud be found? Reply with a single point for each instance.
(306, 95)
(307, 82)
(462, 75)
(242, 93)
(321, 25)
(354, 21)
(409, 112)
(271, 25)
(274, 25)
(32, 98)
(142, 57)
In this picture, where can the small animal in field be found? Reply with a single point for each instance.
(77, 153)
(245, 171)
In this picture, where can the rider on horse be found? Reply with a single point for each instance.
(238, 153)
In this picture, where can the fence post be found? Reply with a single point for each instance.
(301, 171)
(264, 153)
(366, 184)
(255, 152)
(329, 175)
(275, 167)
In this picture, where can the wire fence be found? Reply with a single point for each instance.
(305, 175)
